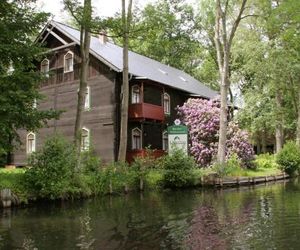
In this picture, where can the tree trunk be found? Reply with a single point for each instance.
(279, 122)
(85, 38)
(125, 86)
(263, 142)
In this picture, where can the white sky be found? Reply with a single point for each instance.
(103, 7)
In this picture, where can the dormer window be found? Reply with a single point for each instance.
(166, 103)
(45, 67)
(68, 62)
(135, 94)
(30, 143)
(136, 138)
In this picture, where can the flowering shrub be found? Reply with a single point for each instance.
(203, 120)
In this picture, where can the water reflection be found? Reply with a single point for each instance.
(266, 217)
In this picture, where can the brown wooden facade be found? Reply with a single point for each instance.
(102, 118)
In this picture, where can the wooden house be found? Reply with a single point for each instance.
(155, 91)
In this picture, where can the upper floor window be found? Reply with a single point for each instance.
(165, 141)
(68, 62)
(136, 139)
(85, 139)
(166, 103)
(87, 101)
(45, 67)
(30, 143)
(135, 94)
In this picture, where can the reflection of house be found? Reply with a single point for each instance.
(155, 91)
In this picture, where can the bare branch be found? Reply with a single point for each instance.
(236, 23)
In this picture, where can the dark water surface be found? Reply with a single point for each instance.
(264, 217)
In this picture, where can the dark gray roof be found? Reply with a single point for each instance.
(139, 66)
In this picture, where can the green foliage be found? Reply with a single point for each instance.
(89, 162)
(178, 169)
(14, 180)
(265, 161)
(51, 169)
(289, 158)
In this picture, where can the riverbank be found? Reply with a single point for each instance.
(119, 182)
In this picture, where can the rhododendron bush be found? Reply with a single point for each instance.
(203, 118)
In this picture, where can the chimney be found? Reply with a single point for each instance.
(103, 37)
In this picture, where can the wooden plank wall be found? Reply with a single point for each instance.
(99, 119)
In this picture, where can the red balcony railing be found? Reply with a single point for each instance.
(140, 111)
(142, 153)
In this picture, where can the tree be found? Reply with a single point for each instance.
(126, 21)
(19, 80)
(223, 40)
(83, 17)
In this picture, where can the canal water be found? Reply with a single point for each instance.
(261, 217)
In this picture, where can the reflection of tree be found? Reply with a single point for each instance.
(85, 238)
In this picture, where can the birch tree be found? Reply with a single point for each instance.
(224, 34)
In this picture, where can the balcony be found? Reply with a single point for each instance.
(141, 111)
(142, 153)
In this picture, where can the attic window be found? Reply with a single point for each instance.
(182, 78)
(68, 62)
(162, 71)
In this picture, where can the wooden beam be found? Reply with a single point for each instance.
(57, 36)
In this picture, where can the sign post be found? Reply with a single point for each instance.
(178, 138)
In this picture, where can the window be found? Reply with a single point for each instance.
(45, 67)
(85, 139)
(30, 143)
(165, 141)
(68, 62)
(135, 94)
(34, 104)
(136, 139)
(166, 103)
(87, 104)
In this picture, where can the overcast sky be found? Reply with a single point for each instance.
(103, 7)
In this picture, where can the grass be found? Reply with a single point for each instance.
(255, 172)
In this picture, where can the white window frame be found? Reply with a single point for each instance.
(167, 110)
(32, 148)
(165, 136)
(85, 147)
(87, 98)
(45, 67)
(134, 97)
(72, 64)
(133, 146)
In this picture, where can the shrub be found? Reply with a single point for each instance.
(51, 169)
(265, 161)
(178, 169)
(289, 158)
(203, 120)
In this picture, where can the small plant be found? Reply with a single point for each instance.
(289, 158)
(178, 169)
